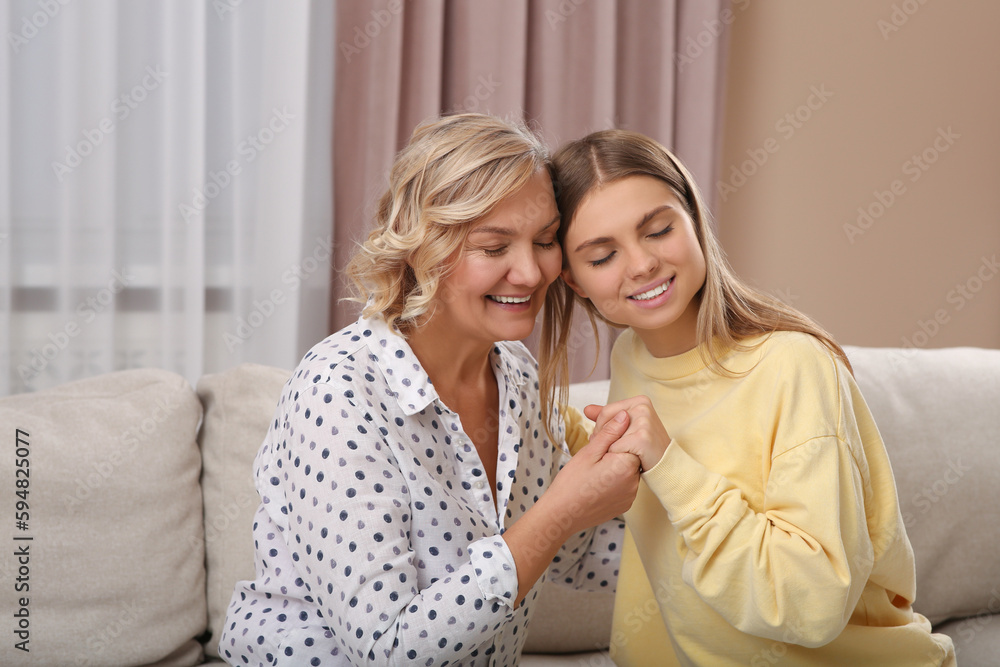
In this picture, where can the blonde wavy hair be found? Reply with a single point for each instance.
(730, 311)
(453, 171)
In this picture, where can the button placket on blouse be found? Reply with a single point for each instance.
(508, 435)
(469, 462)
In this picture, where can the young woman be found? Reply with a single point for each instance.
(767, 528)
(410, 501)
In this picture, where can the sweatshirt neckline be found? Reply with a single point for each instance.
(666, 368)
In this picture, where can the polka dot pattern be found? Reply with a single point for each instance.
(377, 541)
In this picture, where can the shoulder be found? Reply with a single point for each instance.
(805, 382)
(339, 360)
(794, 369)
(793, 352)
(338, 381)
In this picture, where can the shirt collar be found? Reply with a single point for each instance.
(505, 362)
(408, 381)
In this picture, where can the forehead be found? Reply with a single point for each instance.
(624, 202)
(530, 209)
(628, 194)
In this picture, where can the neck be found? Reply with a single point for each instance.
(449, 362)
(678, 337)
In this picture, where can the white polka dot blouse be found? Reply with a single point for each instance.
(377, 540)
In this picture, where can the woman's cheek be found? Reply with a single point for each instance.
(553, 264)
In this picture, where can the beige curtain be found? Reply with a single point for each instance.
(568, 67)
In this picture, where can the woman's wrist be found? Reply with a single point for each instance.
(546, 525)
(652, 457)
(533, 541)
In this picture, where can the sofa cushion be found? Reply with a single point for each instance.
(114, 568)
(589, 659)
(569, 621)
(937, 411)
(977, 639)
(239, 405)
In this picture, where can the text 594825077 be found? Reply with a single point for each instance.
(22, 539)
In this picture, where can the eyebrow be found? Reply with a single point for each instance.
(506, 231)
(600, 240)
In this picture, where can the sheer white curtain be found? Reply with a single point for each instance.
(164, 185)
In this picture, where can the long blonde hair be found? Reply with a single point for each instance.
(454, 170)
(730, 312)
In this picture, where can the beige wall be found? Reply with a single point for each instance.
(832, 106)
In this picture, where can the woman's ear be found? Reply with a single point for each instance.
(567, 277)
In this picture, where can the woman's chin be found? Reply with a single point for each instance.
(516, 330)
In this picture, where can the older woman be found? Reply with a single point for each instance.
(414, 492)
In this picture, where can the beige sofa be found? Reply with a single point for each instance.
(138, 497)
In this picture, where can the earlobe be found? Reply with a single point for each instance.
(567, 277)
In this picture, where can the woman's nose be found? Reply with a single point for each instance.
(525, 269)
(641, 262)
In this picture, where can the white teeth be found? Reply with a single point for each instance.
(656, 291)
(510, 299)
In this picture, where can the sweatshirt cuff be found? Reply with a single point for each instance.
(680, 482)
(495, 570)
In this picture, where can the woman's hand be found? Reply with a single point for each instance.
(645, 437)
(598, 483)
(595, 486)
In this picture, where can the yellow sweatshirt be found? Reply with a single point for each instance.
(769, 533)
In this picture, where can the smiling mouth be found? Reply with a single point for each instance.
(655, 292)
(509, 299)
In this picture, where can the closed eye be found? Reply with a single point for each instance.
(598, 262)
(545, 246)
(494, 252)
(662, 232)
